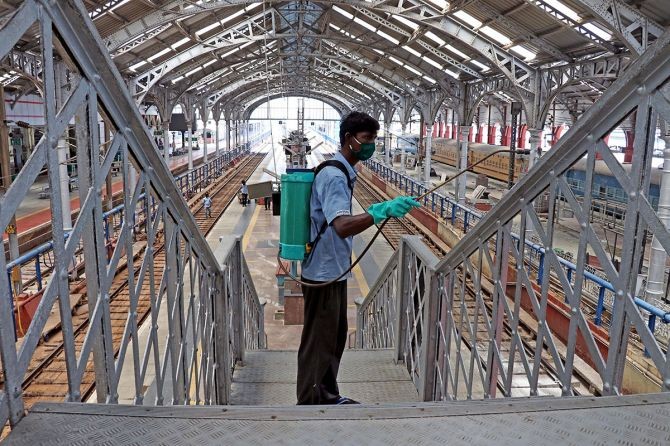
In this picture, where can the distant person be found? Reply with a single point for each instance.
(207, 204)
(267, 201)
(244, 190)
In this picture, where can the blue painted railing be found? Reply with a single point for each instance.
(450, 210)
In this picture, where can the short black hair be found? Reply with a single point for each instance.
(356, 122)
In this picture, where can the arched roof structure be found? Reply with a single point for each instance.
(386, 53)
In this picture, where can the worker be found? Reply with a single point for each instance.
(333, 226)
(244, 191)
(207, 205)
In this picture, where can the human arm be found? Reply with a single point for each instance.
(348, 225)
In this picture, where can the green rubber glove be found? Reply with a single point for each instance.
(398, 207)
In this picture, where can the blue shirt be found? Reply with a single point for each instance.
(244, 189)
(331, 198)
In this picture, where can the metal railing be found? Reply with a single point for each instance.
(170, 280)
(476, 322)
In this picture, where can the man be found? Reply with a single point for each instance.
(333, 226)
(267, 201)
(244, 190)
(207, 204)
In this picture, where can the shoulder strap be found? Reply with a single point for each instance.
(339, 165)
(319, 168)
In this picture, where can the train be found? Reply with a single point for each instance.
(605, 185)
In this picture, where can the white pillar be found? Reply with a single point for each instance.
(535, 145)
(228, 135)
(658, 258)
(217, 145)
(403, 154)
(166, 141)
(429, 147)
(189, 145)
(387, 143)
(204, 141)
(464, 132)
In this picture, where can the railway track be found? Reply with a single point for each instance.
(46, 378)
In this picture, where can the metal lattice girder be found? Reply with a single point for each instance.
(392, 26)
(566, 21)
(519, 72)
(338, 104)
(187, 290)
(636, 30)
(519, 31)
(638, 89)
(173, 10)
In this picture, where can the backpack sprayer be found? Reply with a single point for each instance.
(294, 228)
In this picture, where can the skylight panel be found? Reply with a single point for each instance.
(206, 29)
(177, 79)
(442, 4)
(118, 5)
(413, 70)
(523, 52)
(565, 10)
(159, 54)
(232, 16)
(483, 67)
(451, 73)
(234, 50)
(432, 62)
(387, 37)
(180, 43)
(365, 24)
(467, 18)
(457, 52)
(195, 70)
(137, 65)
(252, 6)
(405, 21)
(393, 59)
(495, 35)
(598, 31)
(343, 12)
(430, 79)
(435, 38)
(209, 63)
(378, 51)
(411, 50)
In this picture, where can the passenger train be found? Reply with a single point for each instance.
(605, 186)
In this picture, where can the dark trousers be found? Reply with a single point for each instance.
(324, 337)
(244, 199)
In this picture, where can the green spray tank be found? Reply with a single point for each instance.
(294, 226)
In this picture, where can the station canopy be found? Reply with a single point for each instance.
(351, 54)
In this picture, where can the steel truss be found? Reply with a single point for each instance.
(458, 323)
(206, 301)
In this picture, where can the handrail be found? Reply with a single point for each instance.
(471, 217)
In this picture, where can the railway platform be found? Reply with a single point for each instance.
(34, 210)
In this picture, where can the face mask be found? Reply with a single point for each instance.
(366, 151)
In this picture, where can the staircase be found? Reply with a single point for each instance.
(268, 378)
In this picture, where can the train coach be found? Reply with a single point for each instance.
(605, 186)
